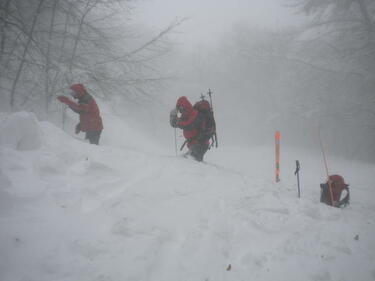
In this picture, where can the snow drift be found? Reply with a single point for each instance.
(20, 131)
(73, 211)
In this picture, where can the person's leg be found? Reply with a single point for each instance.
(203, 149)
(196, 154)
(194, 151)
(198, 150)
(93, 137)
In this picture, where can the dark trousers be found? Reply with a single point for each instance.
(93, 136)
(197, 150)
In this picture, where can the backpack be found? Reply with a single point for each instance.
(208, 127)
(338, 186)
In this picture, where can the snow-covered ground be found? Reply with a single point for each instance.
(129, 210)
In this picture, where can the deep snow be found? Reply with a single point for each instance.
(130, 210)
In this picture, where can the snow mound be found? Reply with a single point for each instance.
(20, 131)
(118, 211)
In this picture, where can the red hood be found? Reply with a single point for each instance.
(79, 90)
(185, 104)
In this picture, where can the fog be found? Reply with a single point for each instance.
(270, 71)
(301, 67)
(136, 208)
(208, 20)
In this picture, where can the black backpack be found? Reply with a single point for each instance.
(208, 124)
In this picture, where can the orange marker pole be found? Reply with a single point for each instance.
(277, 156)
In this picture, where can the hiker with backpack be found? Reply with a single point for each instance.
(203, 107)
(196, 125)
(90, 120)
(335, 192)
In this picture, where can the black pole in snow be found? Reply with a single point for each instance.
(297, 173)
(175, 141)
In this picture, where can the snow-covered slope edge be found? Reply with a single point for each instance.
(74, 211)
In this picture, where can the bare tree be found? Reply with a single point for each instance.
(341, 35)
(26, 48)
(345, 28)
(48, 44)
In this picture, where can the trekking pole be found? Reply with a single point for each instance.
(277, 156)
(63, 116)
(297, 173)
(326, 167)
(183, 145)
(173, 121)
(212, 110)
(175, 140)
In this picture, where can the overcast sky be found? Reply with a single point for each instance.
(208, 18)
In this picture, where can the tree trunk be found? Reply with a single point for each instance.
(65, 32)
(365, 16)
(20, 67)
(48, 58)
(4, 28)
(78, 36)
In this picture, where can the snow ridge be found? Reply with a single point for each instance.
(74, 211)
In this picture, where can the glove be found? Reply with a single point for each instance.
(78, 128)
(63, 99)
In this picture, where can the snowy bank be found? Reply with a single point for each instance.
(74, 211)
(20, 131)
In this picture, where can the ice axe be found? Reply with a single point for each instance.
(212, 110)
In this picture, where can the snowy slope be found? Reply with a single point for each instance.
(74, 211)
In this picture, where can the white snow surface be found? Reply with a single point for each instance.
(128, 210)
(20, 131)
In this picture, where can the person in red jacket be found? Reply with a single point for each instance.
(193, 126)
(90, 121)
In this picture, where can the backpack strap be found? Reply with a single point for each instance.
(345, 201)
(325, 196)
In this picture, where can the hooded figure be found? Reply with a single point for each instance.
(193, 125)
(90, 121)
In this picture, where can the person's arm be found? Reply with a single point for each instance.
(188, 124)
(78, 108)
(173, 118)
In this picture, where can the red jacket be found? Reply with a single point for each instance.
(89, 114)
(189, 122)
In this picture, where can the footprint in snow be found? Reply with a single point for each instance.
(87, 250)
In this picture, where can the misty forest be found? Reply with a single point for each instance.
(74, 73)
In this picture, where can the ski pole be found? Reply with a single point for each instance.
(297, 173)
(183, 145)
(175, 140)
(63, 121)
(173, 121)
